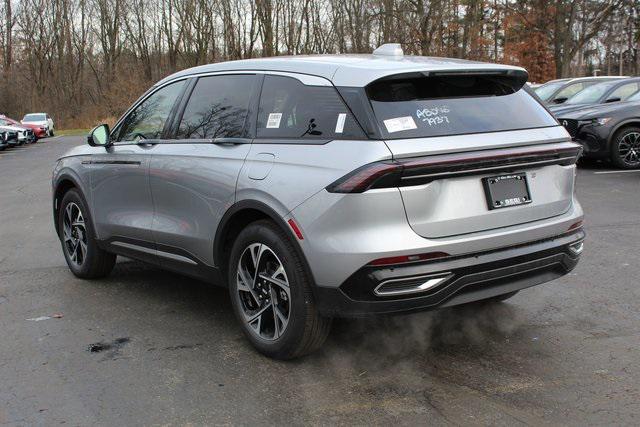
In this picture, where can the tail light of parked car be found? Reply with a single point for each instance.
(421, 170)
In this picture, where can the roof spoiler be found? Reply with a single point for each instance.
(513, 77)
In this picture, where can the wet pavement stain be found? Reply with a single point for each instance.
(113, 346)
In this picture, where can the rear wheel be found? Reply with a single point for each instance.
(271, 294)
(625, 148)
(84, 258)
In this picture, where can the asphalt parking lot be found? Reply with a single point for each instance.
(167, 349)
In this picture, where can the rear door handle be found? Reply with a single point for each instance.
(230, 141)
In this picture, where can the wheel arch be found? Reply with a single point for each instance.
(238, 216)
(634, 121)
(63, 183)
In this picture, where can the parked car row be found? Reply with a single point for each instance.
(600, 113)
(29, 130)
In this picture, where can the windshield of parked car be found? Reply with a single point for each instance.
(591, 94)
(453, 105)
(4, 122)
(34, 118)
(547, 90)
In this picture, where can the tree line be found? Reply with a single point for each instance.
(85, 61)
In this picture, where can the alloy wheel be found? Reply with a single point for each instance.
(263, 290)
(629, 148)
(74, 233)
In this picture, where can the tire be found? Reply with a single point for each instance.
(305, 329)
(51, 133)
(88, 260)
(624, 144)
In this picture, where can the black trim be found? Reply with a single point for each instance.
(293, 141)
(175, 116)
(191, 265)
(112, 162)
(221, 232)
(473, 277)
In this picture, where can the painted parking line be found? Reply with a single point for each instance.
(620, 171)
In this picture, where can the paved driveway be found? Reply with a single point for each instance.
(169, 350)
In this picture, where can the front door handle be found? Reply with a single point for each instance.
(146, 144)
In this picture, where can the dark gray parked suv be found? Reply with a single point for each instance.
(324, 186)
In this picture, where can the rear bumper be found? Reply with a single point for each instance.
(470, 277)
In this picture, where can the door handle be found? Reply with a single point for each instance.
(230, 141)
(144, 144)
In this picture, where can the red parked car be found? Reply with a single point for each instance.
(38, 131)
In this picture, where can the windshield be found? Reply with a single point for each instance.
(547, 90)
(590, 95)
(453, 105)
(3, 122)
(34, 118)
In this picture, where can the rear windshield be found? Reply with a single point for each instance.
(453, 105)
(33, 117)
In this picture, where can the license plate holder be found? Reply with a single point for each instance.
(504, 191)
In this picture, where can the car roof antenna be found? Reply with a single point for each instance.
(389, 49)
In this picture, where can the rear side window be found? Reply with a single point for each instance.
(289, 109)
(218, 107)
(416, 107)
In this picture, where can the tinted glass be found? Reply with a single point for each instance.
(423, 107)
(591, 94)
(148, 119)
(34, 118)
(218, 107)
(624, 91)
(290, 109)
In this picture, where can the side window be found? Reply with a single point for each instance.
(147, 120)
(218, 107)
(624, 91)
(570, 90)
(290, 109)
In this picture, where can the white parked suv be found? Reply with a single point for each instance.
(40, 119)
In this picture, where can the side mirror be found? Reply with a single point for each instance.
(560, 100)
(613, 99)
(99, 136)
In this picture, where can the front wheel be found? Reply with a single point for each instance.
(271, 293)
(81, 251)
(625, 148)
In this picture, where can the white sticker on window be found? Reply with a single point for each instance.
(340, 123)
(274, 120)
(400, 123)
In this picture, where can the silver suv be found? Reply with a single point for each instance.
(323, 186)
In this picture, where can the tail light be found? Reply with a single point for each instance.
(421, 170)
